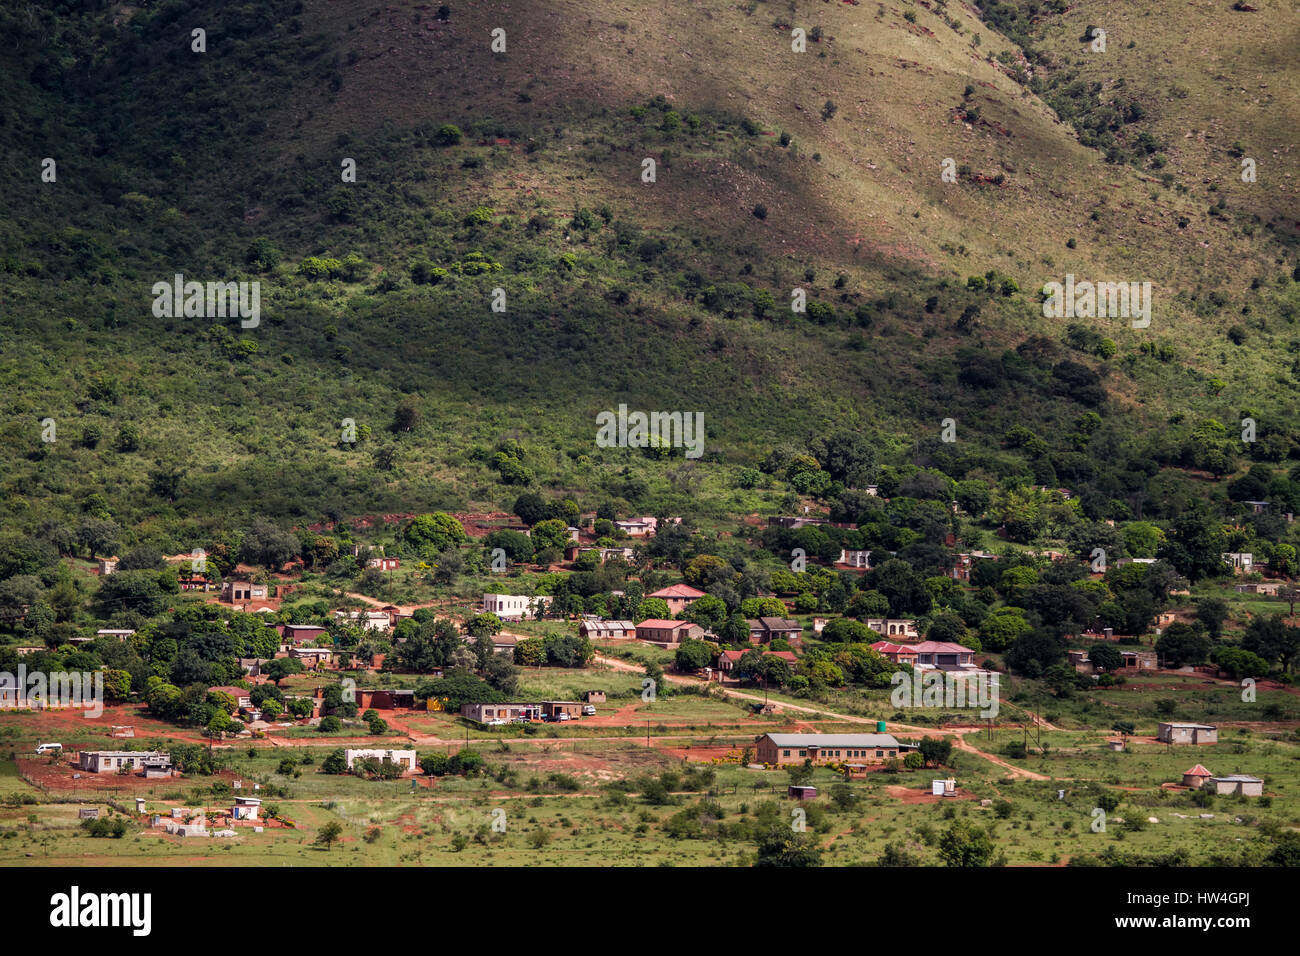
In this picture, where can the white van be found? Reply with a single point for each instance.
(49, 748)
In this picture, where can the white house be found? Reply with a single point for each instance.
(406, 758)
(515, 607)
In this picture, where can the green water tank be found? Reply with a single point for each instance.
(880, 726)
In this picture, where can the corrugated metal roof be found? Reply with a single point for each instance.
(834, 740)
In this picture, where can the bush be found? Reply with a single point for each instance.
(448, 134)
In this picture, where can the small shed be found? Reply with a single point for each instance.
(943, 788)
(594, 696)
(246, 808)
(798, 792)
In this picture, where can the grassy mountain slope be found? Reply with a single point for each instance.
(171, 161)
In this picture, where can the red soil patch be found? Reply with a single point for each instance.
(909, 795)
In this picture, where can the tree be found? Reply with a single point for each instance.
(843, 630)
(329, 834)
(483, 625)
(335, 763)
(1106, 657)
(551, 534)
(217, 727)
(781, 846)
(964, 844)
(1271, 639)
(405, 416)
(1002, 628)
(98, 535)
(656, 608)
(935, 751)
(1211, 613)
(1183, 644)
(265, 544)
(430, 534)
(282, 667)
(1195, 544)
(693, 655)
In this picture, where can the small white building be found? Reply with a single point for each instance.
(246, 808)
(113, 761)
(516, 607)
(406, 758)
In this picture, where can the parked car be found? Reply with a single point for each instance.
(562, 716)
(49, 748)
(588, 711)
(495, 722)
(520, 720)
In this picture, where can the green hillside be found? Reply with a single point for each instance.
(775, 170)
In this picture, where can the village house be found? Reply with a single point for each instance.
(502, 643)
(252, 666)
(1241, 562)
(855, 559)
(965, 562)
(313, 657)
(114, 761)
(667, 634)
(516, 607)
(678, 597)
(593, 696)
(107, 566)
(193, 582)
(384, 564)
(1179, 733)
(638, 527)
(607, 630)
(233, 592)
(407, 758)
(482, 713)
(943, 655)
(1238, 783)
(896, 653)
(240, 695)
(893, 627)
(553, 708)
(1196, 778)
(1267, 588)
(302, 633)
(121, 633)
(785, 749)
(378, 621)
(764, 630)
(246, 808)
(1132, 661)
(573, 552)
(379, 698)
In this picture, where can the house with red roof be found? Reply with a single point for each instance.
(764, 630)
(943, 655)
(897, 653)
(678, 596)
(1197, 777)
